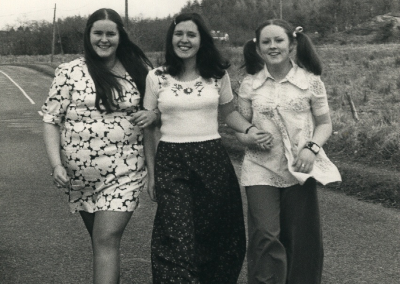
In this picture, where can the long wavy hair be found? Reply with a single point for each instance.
(306, 55)
(209, 60)
(129, 54)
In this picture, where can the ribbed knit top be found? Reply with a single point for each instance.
(189, 110)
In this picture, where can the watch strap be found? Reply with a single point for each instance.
(309, 145)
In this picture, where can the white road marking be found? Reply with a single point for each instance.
(22, 90)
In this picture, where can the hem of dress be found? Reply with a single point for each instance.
(77, 209)
(267, 184)
(187, 142)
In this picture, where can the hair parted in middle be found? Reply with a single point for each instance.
(130, 55)
(306, 56)
(209, 60)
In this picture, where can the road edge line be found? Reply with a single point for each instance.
(22, 90)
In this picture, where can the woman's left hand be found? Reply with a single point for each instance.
(143, 118)
(304, 162)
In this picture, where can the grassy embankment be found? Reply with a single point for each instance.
(367, 152)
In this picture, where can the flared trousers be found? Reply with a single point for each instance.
(199, 233)
(285, 240)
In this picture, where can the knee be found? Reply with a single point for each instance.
(264, 232)
(106, 238)
(264, 240)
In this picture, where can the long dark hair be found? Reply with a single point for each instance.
(306, 56)
(209, 60)
(130, 55)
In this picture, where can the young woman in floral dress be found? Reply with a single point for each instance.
(93, 133)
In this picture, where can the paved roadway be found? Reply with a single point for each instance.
(41, 242)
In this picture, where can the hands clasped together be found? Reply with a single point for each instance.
(143, 118)
(259, 139)
(263, 140)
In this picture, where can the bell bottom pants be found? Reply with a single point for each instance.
(285, 240)
(199, 233)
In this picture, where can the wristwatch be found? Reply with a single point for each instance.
(313, 147)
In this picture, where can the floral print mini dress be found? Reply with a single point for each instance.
(102, 152)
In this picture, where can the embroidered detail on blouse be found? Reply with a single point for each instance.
(199, 86)
(316, 86)
(188, 91)
(162, 80)
(177, 88)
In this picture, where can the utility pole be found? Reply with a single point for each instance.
(59, 39)
(126, 15)
(54, 34)
(280, 9)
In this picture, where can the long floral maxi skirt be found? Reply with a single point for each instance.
(199, 233)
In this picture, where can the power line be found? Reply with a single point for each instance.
(23, 13)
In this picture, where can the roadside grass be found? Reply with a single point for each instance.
(367, 151)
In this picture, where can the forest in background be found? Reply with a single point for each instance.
(320, 18)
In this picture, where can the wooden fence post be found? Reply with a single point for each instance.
(352, 107)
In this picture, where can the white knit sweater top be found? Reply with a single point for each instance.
(189, 110)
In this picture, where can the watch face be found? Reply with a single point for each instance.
(315, 148)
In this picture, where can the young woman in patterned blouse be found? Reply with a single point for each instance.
(93, 135)
(288, 100)
(198, 234)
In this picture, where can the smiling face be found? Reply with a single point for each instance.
(104, 38)
(186, 40)
(274, 46)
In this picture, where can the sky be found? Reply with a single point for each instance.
(14, 12)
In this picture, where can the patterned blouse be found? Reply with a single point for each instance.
(286, 110)
(189, 110)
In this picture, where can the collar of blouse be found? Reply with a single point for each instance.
(296, 76)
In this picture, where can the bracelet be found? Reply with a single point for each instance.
(156, 111)
(57, 166)
(248, 129)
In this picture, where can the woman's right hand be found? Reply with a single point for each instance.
(60, 176)
(259, 139)
(151, 189)
(143, 118)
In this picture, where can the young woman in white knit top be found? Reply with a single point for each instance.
(198, 234)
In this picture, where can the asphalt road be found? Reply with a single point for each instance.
(41, 242)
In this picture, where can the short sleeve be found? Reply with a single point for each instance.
(319, 100)
(150, 100)
(56, 104)
(244, 102)
(225, 92)
(246, 88)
